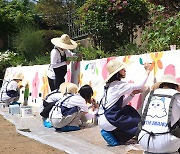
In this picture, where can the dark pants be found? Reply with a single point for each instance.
(60, 73)
(51, 84)
(122, 136)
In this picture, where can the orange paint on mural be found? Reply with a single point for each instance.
(157, 63)
(126, 59)
(45, 86)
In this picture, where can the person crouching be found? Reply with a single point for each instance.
(66, 114)
(51, 99)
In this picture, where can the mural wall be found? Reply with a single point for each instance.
(94, 72)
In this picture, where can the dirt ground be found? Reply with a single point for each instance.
(13, 143)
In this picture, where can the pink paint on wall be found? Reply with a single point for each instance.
(178, 80)
(136, 102)
(103, 63)
(69, 75)
(110, 58)
(170, 69)
(35, 86)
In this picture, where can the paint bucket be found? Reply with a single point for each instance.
(26, 111)
(14, 109)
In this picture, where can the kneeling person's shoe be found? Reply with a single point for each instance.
(68, 128)
(109, 138)
(47, 124)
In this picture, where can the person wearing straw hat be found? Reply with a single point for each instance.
(71, 110)
(160, 123)
(10, 90)
(51, 99)
(58, 66)
(118, 120)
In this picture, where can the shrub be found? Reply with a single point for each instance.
(47, 36)
(128, 49)
(90, 53)
(163, 31)
(29, 43)
(34, 43)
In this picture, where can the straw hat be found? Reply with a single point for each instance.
(18, 76)
(67, 87)
(64, 42)
(114, 66)
(168, 78)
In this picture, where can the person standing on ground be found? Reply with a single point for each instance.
(58, 65)
(118, 120)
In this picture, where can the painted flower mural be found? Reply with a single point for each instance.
(91, 67)
(35, 87)
(126, 59)
(68, 75)
(103, 63)
(45, 86)
(171, 69)
(94, 72)
(80, 81)
(156, 62)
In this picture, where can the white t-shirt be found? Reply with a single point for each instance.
(166, 143)
(53, 97)
(76, 100)
(115, 91)
(12, 85)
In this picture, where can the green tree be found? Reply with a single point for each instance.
(172, 6)
(15, 14)
(162, 30)
(55, 12)
(112, 23)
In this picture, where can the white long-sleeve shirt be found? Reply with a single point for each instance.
(56, 57)
(56, 61)
(117, 89)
